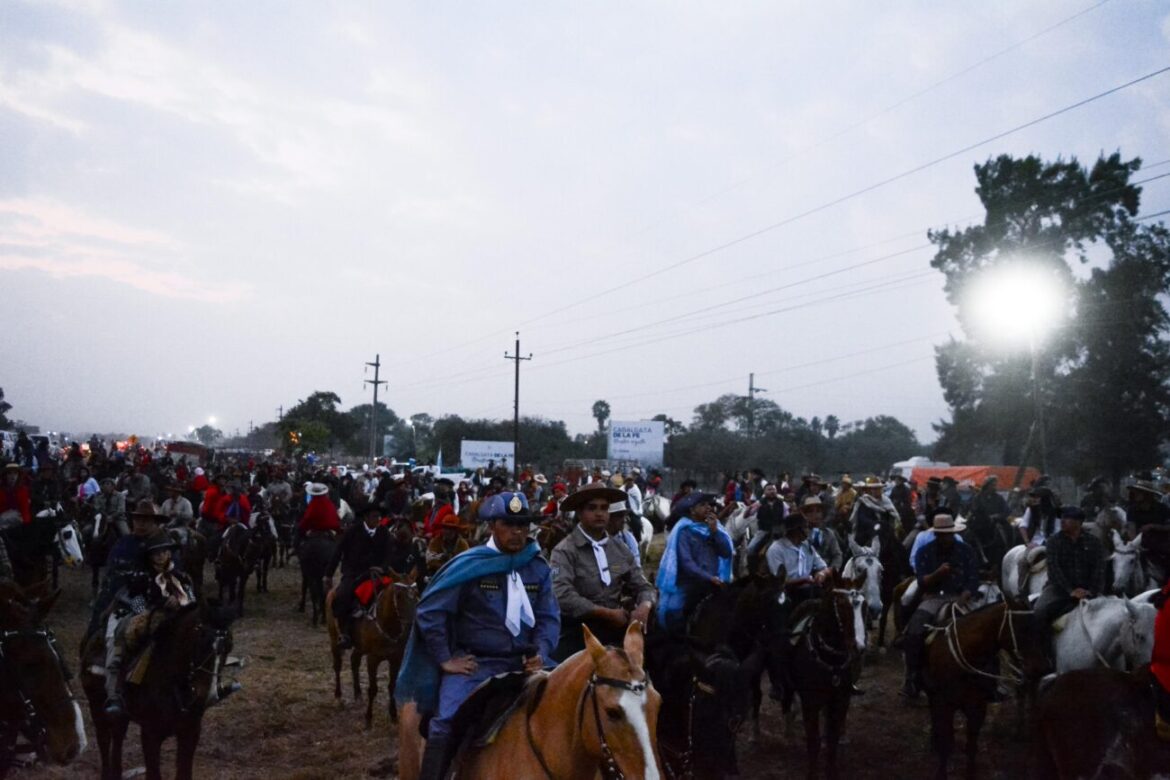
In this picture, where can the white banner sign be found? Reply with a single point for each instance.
(477, 454)
(637, 441)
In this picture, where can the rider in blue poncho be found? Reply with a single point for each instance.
(489, 610)
(697, 559)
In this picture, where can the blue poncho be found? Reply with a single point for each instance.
(671, 598)
(418, 680)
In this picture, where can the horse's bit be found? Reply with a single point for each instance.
(32, 726)
(609, 767)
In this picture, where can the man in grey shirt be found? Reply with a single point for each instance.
(595, 577)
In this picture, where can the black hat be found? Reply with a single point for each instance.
(159, 540)
(1072, 513)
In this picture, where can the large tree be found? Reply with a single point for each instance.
(601, 413)
(5, 408)
(1101, 373)
(318, 423)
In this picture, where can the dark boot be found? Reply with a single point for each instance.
(436, 759)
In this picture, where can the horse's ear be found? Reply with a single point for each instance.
(596, 651)
(1118, 542)
(877, 547)
(854, 549)
(634, 642)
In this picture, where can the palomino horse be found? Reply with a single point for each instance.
(959, 676)
(36, 701)
(1099, 723)
(380, 635)
(595, 714)
(182, 679)
(314, 554)
(820, 669)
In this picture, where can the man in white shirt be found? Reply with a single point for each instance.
(804, 569)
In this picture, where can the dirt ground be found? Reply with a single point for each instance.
(285, 722)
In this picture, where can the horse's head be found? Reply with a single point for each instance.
(1137, 633)
(1126, 574)
(69, 545)
(866, 562)
(397, 605)
(35, 690)
(987, 593)
(205, 630)
(624, 722)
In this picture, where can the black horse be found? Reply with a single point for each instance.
(314, 554)
(232, 566)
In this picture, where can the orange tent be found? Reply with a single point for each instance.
(977, 475)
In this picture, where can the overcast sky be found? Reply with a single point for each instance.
(212, 210)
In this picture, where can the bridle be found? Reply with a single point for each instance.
(954, 645)
(31, 725)
(210, 664)
(831, 660)
(609, 768)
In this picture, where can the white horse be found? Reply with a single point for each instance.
(866, 561)
(656, 509)
(644, 540)
(1129, 575)
(68, 538)
(1107, 631)
(1010, 569)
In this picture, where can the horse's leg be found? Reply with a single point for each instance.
(372, 664)
(118, 736)
(976, 713)
(810, 709)
(838, 709)
(335, 651)
(410, 743)
(886, 606)
(942, 732)
(151, 752)
(187, 739)
(395, 664)
(304, 591)
(101, 729)
(355, 670)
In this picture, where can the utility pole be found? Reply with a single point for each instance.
(377, 364)
(751, 410)
(516, 409)
(280, 413)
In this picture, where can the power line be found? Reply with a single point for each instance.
(854, 194)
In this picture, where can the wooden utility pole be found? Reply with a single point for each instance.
(516, 409)
(751, 399)
(377, 364)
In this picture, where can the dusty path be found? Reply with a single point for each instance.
(285, 723)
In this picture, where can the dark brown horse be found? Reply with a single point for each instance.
(379, 636)
(1099, 723)
(233, 566)
(36, 700)
(961, 677)
(314, 554)
(261, 549)
(820, 669)
(192, 554)
(550, 533)
(184, 676)
(99, 535)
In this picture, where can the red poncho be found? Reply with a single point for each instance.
(320, 515)
(1160, 661)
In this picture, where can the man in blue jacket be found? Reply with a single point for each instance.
(488, 611)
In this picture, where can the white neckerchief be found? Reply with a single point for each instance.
(599, 554)
(370, 531)
(518, 609)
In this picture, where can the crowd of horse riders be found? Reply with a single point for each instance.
(512, 578)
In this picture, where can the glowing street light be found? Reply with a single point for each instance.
(211, 420)
(1017, 303)
(1020, 302)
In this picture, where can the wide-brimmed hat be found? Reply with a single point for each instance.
(317, 489)
(936, 481)
(144, 510)
(617, 480)
(618, 507)
(445, 481)
(846, 479)
(590, 493)
(871, 482)
(948, 524)
(451, 521)
(1072, 513)
(1145, 486)
(540, 479)
(12, 467)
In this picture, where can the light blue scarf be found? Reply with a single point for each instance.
(671, 598)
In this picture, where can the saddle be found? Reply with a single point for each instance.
(480, 718)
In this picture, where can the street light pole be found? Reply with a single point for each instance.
(377, 364)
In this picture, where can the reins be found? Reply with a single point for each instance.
(31, 725)
(954, 645)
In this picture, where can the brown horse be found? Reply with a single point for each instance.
(36, 700)
(821, 667)
(959, 672)
(1099, 723)
(550, 533)
(596, 714)
(378, 636)
(233, 565)
(182, 679)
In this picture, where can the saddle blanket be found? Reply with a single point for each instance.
(365, 590)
